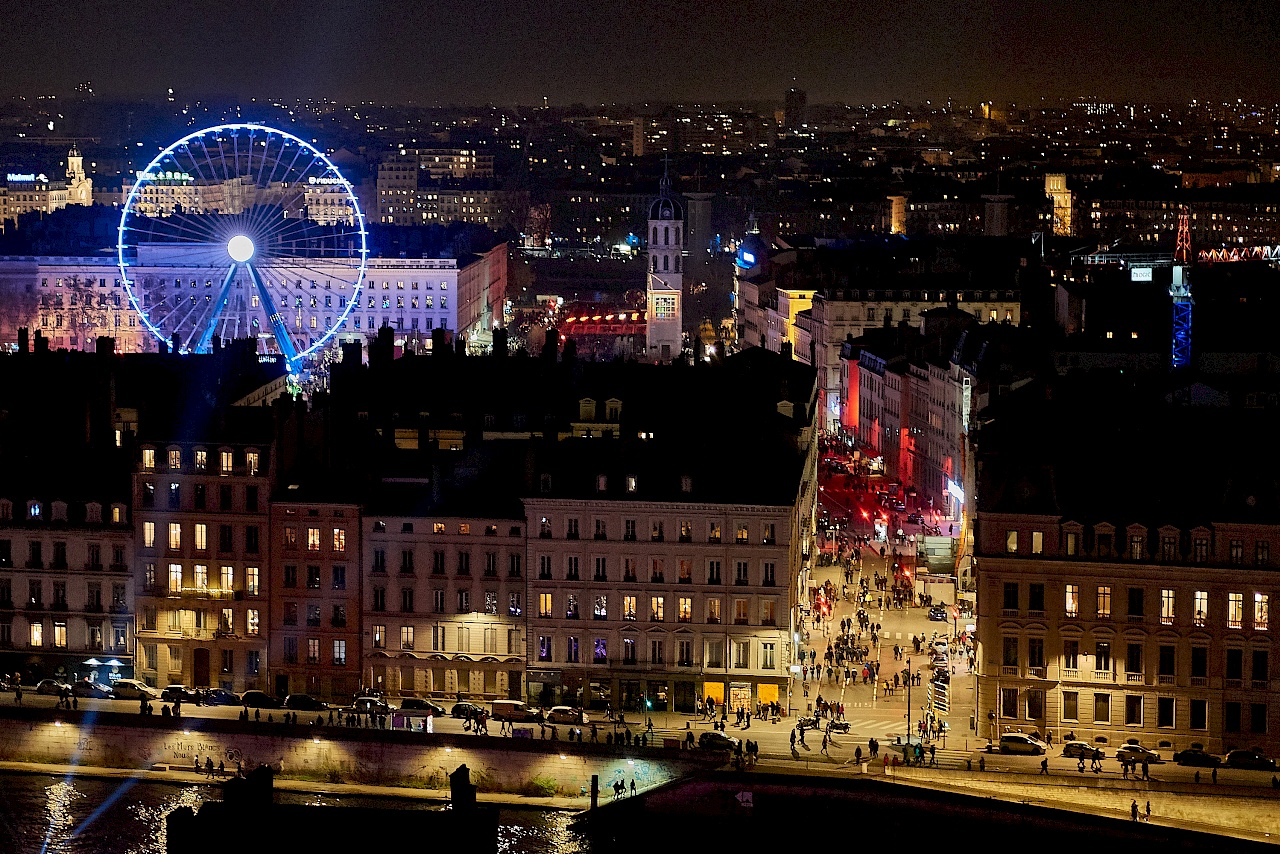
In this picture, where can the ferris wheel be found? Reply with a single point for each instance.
(242, 231)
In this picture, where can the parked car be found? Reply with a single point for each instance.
(372, 705)
(259, 700)
(713, 740)
(1138, 753)
(304, 703)
(942, 674)
(133, 689)
(53, 687)
(219, 697)
(1020, 742)
(938, 614)
(567, 715)
(465, 709)
(94, 690)
(1250, 759)
(915, 519)
(417, 704)
(179, 692)
(1077, 749)
(1196, 755)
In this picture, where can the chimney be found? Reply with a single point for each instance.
(42, 343)
(22, 340)
(785, 350)
(500, 342)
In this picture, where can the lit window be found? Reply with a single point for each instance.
(175, 459)
(224, 458)
(1202, 607)
(37, 634)
(1261, 611)
(628, 607)
(1011, 542)
(1235, 610)
(201, 536)
(251, 581)
(202, 460)
(1104, 602)
(339, 539)
(149, 535)
(251, 627)
(544, 604)
(313, 539)
(1073, 600)
(175, 536)
(1167, 600)
(148, 459)
(251, 462)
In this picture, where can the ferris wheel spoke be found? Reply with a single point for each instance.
(219, 303)
(274, 318)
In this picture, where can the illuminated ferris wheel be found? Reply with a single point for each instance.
(240, 231)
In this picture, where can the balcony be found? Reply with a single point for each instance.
(313, 623)
(1260, 684)
(630, 538)
(93, 608)
(93, 567)
(1036, 612)
(599, 576)
(60, 605)
(1103, 676)
(34, 564)
(629, 577)
(1234, 683)
(58, 564)
(1070, 673)
(338, 622)
(571, 535)
(601, 535)
(1134, 678)
(741, 582)
(1166, 679)
(741, 621)
(1009, 670)
(686, 538)
(1199, 681)
(769, 622)
(1037, 672)
(656, 578)
(118, 567)
(1136, 618)
(768, 582)
(1008, 612)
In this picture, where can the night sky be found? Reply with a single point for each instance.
(517, 51)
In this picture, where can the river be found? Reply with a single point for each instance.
(79, 815)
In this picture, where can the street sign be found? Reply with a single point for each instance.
(744, 798)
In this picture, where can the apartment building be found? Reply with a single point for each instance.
(201, 556)
(313, 585)
(66, 592)
(444, 598)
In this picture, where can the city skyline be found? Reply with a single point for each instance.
(519, 53)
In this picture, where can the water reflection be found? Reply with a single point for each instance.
(88, 816)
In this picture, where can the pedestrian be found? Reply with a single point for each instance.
(1215, 774)
(1124, 769)
(824, 742)
(208, 767)
(1044, 766)
(222, 769)
(982, 763)
(1146, 769)
(17, 694)
(1133, 811)
(793, 739)
(1148, 816)
(633, 786)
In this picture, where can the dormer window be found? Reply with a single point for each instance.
(117, 514)
(586, 409)
(602, 483)
(148, 459)
(686, 483)
(631, 483)
(34, 510)
(58, 511)
(93, 513)
(6, 509)
(612, 410)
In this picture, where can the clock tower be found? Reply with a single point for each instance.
(665, 289)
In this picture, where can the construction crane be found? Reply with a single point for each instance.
(1180, 292)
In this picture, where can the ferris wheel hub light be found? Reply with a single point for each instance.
(240, 248)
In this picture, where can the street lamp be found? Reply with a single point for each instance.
(908, 715)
